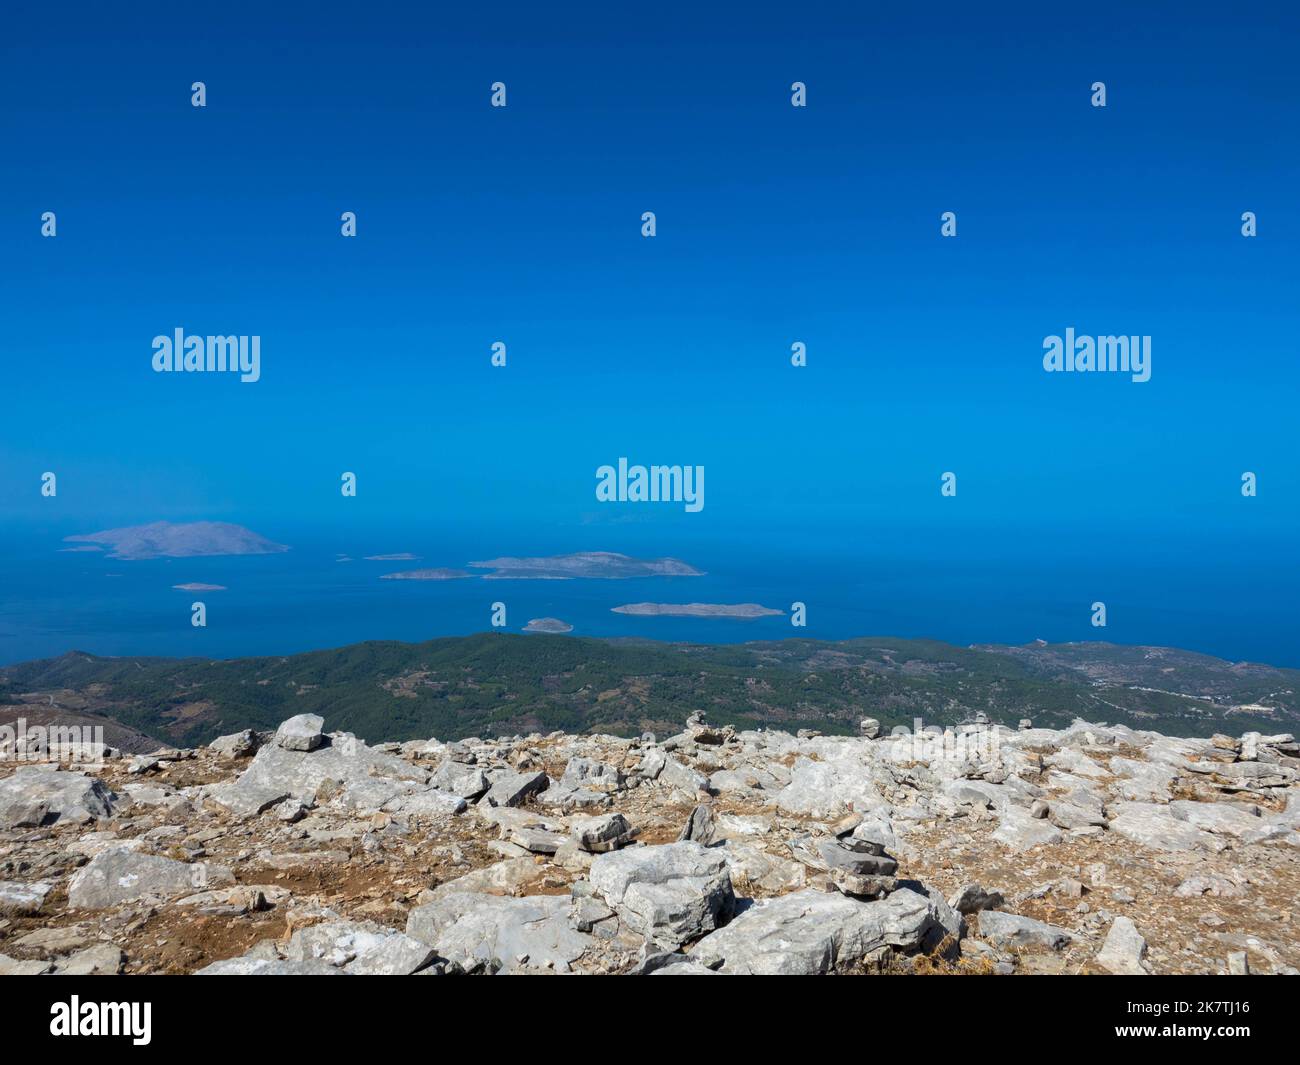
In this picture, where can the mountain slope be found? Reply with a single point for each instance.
(496, 684)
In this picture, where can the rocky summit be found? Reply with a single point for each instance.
(976, 849)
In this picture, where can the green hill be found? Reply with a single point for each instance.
(499, 684)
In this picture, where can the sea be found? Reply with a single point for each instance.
(998, 588)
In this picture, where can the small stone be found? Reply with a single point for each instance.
(538, 840)
(972, 899)
(292, 810)
(1123, 950)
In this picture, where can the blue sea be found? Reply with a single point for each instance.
(1233, 601)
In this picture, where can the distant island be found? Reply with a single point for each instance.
(401, 556)
(165, 539)
(426, 575)
(741, 611)
(554, 625)
(603, 565)
(200, 587)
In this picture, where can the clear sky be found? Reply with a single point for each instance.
(775, 224)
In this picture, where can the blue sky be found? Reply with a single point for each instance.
(776, 224)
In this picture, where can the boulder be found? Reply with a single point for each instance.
(753, 868)
(589, 774)
(37, 795)
(14, 967)
(601, 834)
(493, 932)
(236, 745)
(301, 733)
(246, 799)
(670, 893)
(809, 932)
(345, 771)
(457, 778)
(1142, 781)
(360, 948)
(678, 776)
(122, 875)
(511, 789)
(1010, 931)
(828, 788)
(513, 876)
(701, 826)
(537, 840)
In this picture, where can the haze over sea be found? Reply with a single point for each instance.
(954, 584)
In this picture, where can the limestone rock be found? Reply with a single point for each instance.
(809, 932)
(701, 826)
(1123, 950)
(1010, 931)
(517, 934)
(600, 834)
(1153, 825)
(360, 948)
(122, 875)
(19, 899)
(512, 789)
(971, 898)
(236, 745)
(301, 733)
(456, 778)
(103, 959)
(35, 795)
(670, 893)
